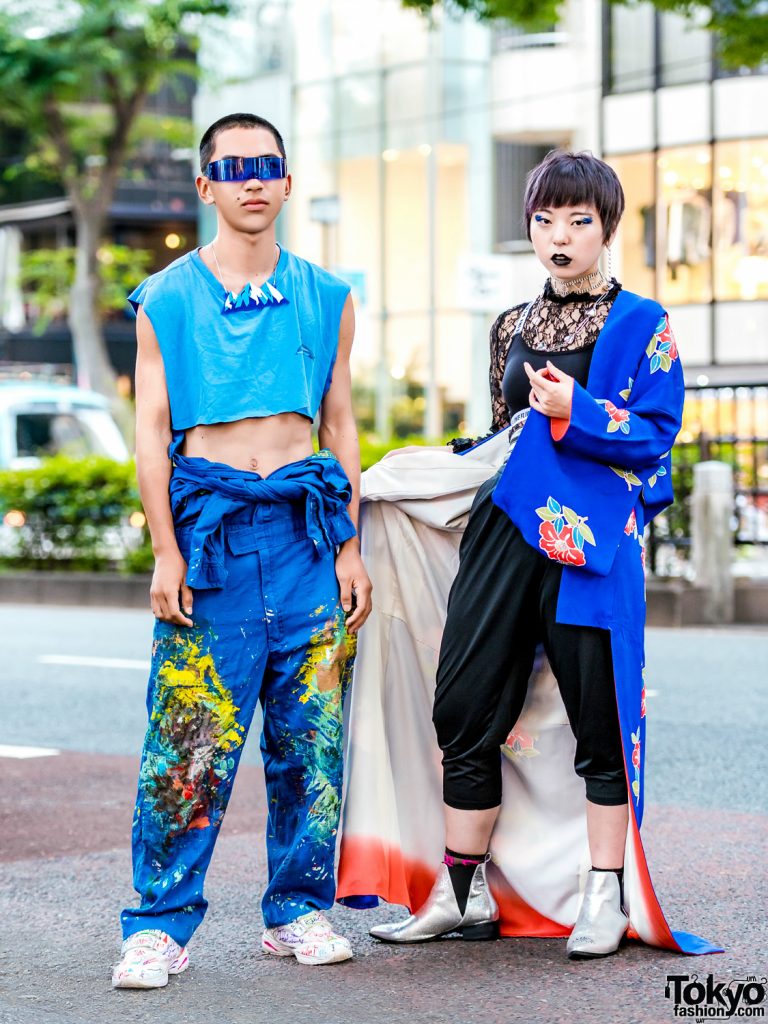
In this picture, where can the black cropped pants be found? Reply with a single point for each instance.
(501, 606)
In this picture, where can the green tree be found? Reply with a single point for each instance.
(741, 25)
(47, 275)
(75, 77)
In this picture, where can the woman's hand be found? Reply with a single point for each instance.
(171, 598)
(551, 391)
(353, 579)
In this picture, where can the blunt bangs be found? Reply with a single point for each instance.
(574, 179)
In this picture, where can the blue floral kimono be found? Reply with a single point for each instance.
(582, 490)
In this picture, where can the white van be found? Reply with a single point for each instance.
(39, 419)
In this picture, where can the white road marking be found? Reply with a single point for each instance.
(89, 662)
(26, 752)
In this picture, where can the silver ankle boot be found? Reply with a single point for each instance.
(601, 923)
(441, 914)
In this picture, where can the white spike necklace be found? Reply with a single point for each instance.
(252, 296)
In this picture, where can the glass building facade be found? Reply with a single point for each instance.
(695, 233)
(409, 144)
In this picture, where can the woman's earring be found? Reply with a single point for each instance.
(610, 262)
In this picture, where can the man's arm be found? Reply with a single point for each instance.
(338, 432)
(153, 469)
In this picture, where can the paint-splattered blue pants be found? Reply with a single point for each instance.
(274, 633)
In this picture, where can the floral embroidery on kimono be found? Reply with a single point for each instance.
(631, 528)
(661, 471)
(562, 533)
(662, 348)
(618, 419)
(636, 763)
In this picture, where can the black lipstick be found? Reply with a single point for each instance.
(560, 260)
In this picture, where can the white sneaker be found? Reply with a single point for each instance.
(149, 957)
(309, 938)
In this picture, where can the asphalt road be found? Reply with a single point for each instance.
(65, 864)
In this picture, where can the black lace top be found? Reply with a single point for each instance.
(554, 324)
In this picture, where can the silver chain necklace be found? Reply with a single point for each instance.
(588, 314)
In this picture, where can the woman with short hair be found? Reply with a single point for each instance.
(588, 379)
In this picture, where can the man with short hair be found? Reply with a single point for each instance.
(258, 588)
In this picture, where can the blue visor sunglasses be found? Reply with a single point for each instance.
(244, 168)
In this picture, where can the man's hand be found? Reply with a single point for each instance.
(353, 579)
(551, 391)
(167, 587)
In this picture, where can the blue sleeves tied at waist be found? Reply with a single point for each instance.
(319, 481)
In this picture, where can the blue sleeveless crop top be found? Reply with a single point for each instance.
(221, 368)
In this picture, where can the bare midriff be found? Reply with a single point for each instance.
(258, 445)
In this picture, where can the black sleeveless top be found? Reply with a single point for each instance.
(515, 386)
(556, 329)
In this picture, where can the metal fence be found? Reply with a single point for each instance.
(729, 425)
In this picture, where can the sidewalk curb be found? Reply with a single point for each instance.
(103, 589)
(675, 602)
(671, 602)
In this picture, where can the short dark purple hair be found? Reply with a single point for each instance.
(574, 179)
